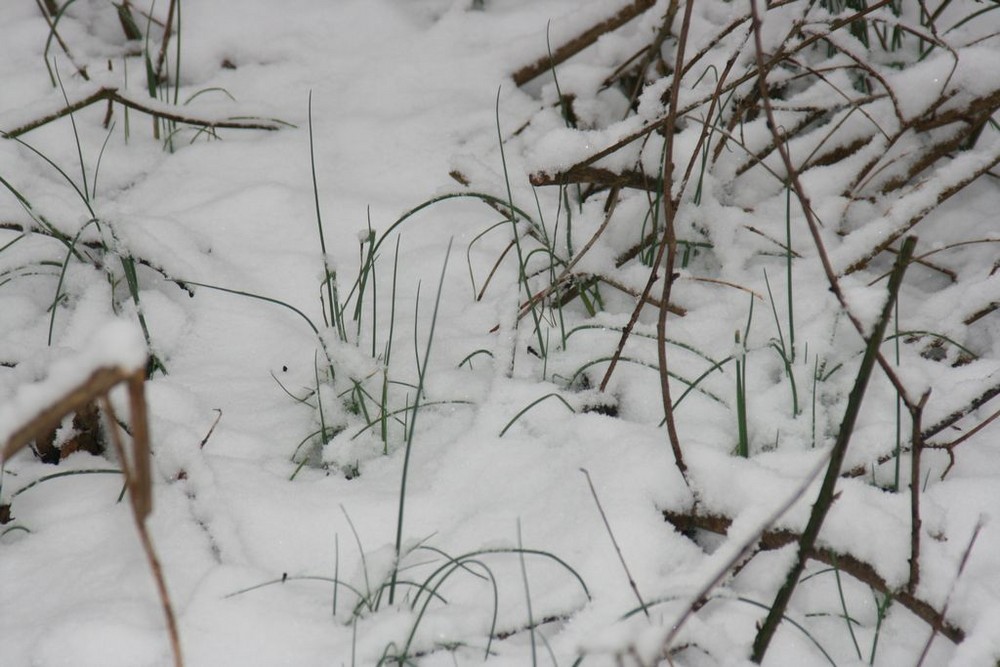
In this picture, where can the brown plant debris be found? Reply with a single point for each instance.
(848, 564)
(152, 107)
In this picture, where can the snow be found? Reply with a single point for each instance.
(277, 487)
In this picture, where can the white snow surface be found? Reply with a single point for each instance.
(278, 549)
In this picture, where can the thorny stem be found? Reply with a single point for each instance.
(539, 296)
(825, 498)
(645, 297)
(781, 55)
(770, 539)
(746, 548)
(810, 216)
(670, 241)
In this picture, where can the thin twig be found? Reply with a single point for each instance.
(164, 111)
(937, 625)
(770, 540)
(100, 382)
(581, 41)
(812, 221)
(211, 429)
(825, 497)
(670, 242)
(979, 401)
(916, 413)
(50, 12)
(135, 468)
(168, 28)
(663, 121)
(540, 296)
(685, 522)
(861, 470)
(618, 550)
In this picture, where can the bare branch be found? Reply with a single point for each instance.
(581, 41)
(857, 568)
(151, 107)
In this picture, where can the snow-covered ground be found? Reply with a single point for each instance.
(277, 530)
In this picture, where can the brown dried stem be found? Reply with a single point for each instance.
(670, 207)
(936, 627)
(825, 497)
(580, 42)
(597, 176)
(135, 468)
(917, 443)
(975, 404)
(652, 52)
(166, 112)
(51, 13)
(751, 73)
(139, 485)
(168, 28)
(826, 494)
(567, 272)
(670, 242)
(864, 572)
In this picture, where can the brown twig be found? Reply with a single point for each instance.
(864, 572)
(825, 497)
(652, 51)
(989, 394)
(211, 429)
(568, 270)
(167, 112)
(168, 28)
(670, 207)
(50, 12)
(949, 447)
(98, 383)
(917, 444)
(954, 417)
(135, 468)
(674, 309)
(745, 549)
(826, 494)
(581, 41)
(936, 627)
(812, 222)
(138, 483)
(670, 243)
(752, 73)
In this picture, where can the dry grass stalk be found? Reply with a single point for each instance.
(151, 107)
(136, 464)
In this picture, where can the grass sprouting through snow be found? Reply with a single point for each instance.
(411, 430)
(333, 314)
